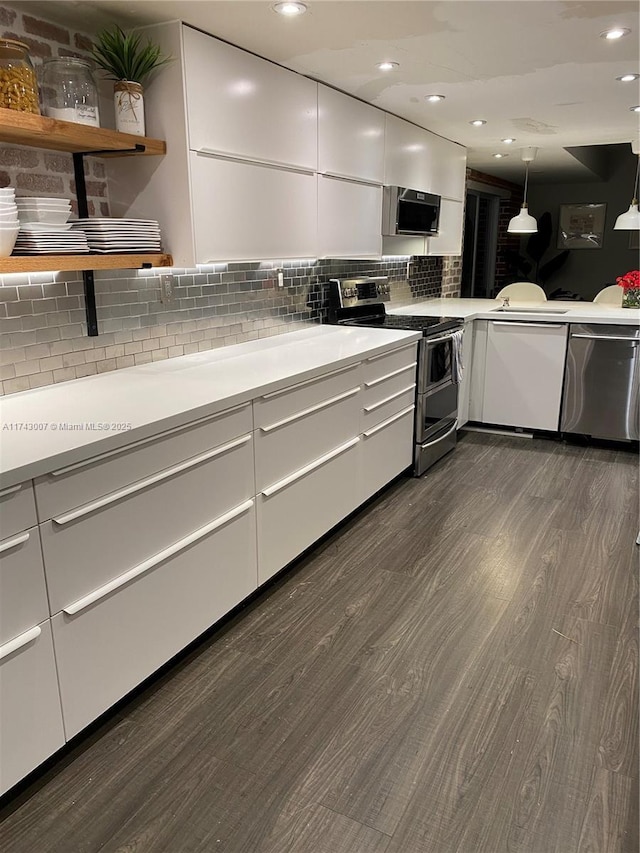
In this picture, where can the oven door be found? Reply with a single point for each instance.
(436, 412)
(436, 363)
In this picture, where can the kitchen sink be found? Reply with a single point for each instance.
(531, 310)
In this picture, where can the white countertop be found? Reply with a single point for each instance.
(484, 309)
(165, 394)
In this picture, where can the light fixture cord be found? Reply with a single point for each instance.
(526, 182)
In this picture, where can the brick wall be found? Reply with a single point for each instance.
(42, 319)
(35, 172)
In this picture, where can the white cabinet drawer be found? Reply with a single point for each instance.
(395, 400)
(295, 512)
(109, 646)
(84, 482)
(23, 594)
(93, 544)
(17, 509)
(293, 441)
(385, 451)
(296, 399)
(30, 716)
(240, 104)
(396, 363)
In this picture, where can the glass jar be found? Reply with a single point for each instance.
(69, 91)
(18, 84)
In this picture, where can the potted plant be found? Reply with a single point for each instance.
(129, 61)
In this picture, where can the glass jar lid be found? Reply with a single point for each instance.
(11, 47)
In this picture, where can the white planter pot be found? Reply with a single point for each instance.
(129, 107)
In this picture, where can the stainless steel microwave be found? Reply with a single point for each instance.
(406, 211)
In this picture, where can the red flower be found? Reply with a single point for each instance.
(630, 280)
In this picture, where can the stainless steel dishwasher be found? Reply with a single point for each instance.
(602, 376)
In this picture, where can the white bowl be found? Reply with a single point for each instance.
(8, 224)
(38, 202)
(7, 241)
(53, 217)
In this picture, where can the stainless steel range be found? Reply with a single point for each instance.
(361, 302)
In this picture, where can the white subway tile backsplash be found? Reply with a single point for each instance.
(12, 386)
(37, 380)
(64, 374)
(125, 361)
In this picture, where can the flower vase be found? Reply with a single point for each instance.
(129, 106)
(631, 297)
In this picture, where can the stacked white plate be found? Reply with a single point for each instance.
(45, 230)
(51, 243)
(9, 224)
(47, 211)
(120, 236)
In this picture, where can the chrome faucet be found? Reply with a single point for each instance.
(505, 301)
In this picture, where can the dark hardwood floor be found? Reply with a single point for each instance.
(454, 671)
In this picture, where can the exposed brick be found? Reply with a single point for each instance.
(104, 208)
(7, 16)
(98, 169)
(58, 163)
(82, 42)
(45, 30)
(64, 51)
(36, 48)
(35, 182)
(26, 158)
(5, 180)
(94, 188)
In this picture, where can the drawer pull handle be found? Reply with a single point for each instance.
(11, 543)
(141, 568)
(389, 399)
(149, 481)
(391, 352)
(302, 472)
(527, 324)
(156, 437)
(260, 161)
(20, 641)
(281, 391)
(10, 491)
(341, 176)
(390, 375)
(388, 422)
(318, 407)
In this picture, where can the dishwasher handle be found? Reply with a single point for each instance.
(621, 338)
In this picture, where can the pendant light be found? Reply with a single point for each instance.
(524, 223)
(630, 221)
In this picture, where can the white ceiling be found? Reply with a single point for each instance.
(536, 70)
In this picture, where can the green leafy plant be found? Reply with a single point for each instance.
(124, 56)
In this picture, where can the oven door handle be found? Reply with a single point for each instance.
(443, 338)
(440, 437)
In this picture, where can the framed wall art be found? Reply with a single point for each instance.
(581, 226)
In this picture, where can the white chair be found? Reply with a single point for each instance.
(611, 295)
(525, 291)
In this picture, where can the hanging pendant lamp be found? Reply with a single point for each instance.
(630, 221)
(524, 223)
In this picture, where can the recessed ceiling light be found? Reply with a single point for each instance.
(635, 109)
(477, 122)
(615, 33)
(434, 98)
(509, 140)
(290, 9)
(500, 156)
(628, 78)
(387, 66)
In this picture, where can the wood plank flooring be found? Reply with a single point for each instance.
(454, 671)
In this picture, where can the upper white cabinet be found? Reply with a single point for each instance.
(349, 219)
(350, 137)
(244, 210)
(448, 240)
(242, 105)
(419, 159)
(448, 167)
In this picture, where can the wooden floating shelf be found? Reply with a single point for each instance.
(36, 131)
(44, 263)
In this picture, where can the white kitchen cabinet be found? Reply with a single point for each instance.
(407, 159)
(464, 389)
(386, 450)
(17, 509)
(30, 714)
(248, 211)
(240, 104)
(448, 167)
(111, 641)
(349, 219)
(448, 240)
(350, 137)
(23, 594)
(523, 374)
